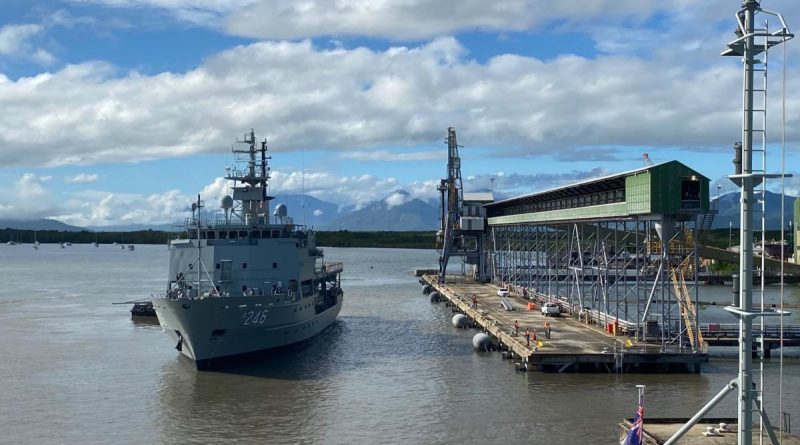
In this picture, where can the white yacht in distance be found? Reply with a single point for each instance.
(247, 282)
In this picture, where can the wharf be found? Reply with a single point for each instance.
(573, 347)
(658, 431)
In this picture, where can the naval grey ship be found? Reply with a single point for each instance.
(248, 281)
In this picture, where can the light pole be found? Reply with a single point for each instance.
(719, 187)
(492, 181)
(730, 234)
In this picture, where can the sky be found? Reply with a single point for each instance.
(119, 112)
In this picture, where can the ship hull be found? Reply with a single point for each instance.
(226, 327)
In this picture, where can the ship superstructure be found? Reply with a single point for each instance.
(249, 281)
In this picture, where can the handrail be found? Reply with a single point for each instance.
(731, 330)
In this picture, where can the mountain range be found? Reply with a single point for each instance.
(729, 209)
(37, 224)
(397, 212)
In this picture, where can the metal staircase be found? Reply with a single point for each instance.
(707, 219)
(688, 310)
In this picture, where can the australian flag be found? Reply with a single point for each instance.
(634, 436)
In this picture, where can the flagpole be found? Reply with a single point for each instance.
(636, 431)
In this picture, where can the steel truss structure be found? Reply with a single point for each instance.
(617, 270)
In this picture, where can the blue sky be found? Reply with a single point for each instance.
(120, 111)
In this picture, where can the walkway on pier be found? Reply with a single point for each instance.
(573, 346)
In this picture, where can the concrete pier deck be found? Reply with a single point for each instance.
(573, 346)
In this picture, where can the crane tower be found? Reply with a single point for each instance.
(461, 223)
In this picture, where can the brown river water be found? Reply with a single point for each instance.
(75, 369)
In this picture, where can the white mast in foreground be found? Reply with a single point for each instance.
(750, 42)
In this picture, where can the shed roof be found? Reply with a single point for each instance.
(603, 182)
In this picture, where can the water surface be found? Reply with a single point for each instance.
(76, 369)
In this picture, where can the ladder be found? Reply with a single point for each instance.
(687, 309)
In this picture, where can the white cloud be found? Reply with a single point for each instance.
(318, 212)
(512, 184)
(299, 96)
(345, 190)
(396, 199)
(390, 156)
(18, 41)
(14, 38)
(415, 19)
(200, 12)
(98, 208)
(81, 178)
(27, 198)
(402, 19)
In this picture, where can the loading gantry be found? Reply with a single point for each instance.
(462, 221)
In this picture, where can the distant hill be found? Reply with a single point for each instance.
(729, 211)
(397, 212)
(38, 224)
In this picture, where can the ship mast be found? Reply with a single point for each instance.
(253, 181)
(751, 175)
(750, 42)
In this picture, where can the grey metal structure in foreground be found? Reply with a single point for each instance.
(751, 173)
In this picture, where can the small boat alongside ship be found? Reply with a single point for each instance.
(248, 282)
(143, 309)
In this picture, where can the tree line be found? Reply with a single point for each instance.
(339, 238)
